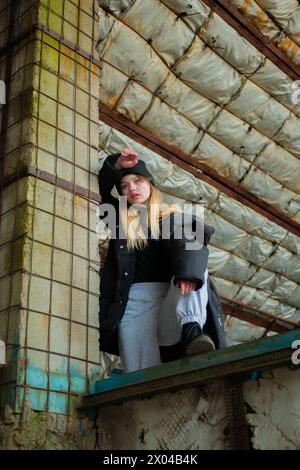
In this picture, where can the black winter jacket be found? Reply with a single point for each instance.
(118, 273)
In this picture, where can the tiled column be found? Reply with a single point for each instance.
(48, 246)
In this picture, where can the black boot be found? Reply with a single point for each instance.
(194, 341)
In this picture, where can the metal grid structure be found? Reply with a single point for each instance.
(48, 244)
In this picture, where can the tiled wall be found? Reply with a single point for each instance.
(49, 262)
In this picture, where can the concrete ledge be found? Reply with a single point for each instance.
(192, 371)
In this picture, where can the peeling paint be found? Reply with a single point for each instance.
(275, 410)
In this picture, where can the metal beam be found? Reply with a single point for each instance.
(194, 371)
(257, 317)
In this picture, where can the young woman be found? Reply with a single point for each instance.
(157, 302)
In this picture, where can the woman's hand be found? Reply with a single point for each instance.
(186, 286)
(127, 159)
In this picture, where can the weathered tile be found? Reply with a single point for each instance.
(66, 119)
(43, 14)
(24, 220)
(79, 305)
(82, 77)
(3, 324)
(14, 194)
(70, 32)
(39, 295)
(36, 375)
(61, 266)
(64, 204)
(57, 6)
(80, 241)
(95, 89)
(93, 318)
(81, 178)
(46, 161)
(85, 22)
(47, 110)
(5, 292)
(93, 110)
(59, 335)
(7, 227)
(60, 300)
(15, 318)
(93, 345)
(65, 146)
(85, 42)
(58, 364)
(94, 248)
(55, 23)
(66, 93)
(78, 384)
(59, 382)
(44, 195)
(58, 402)
(62, 234)
(81, 207)
(50, 58)
(41, 259)
(80, 273)
(37, 330)
(49, 84)
(46, 135)
(67, 65)
(43, 226)
(5, 259)
(81, 154)
(77, 368)
(38, 399)
(78, 343)
(58, 367)
(82, 128)
(94, 280)
(82, 102)
(71, 13)
(94, 134)
(65, 170)
(16, 288)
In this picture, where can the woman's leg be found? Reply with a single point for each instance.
(138, 330)
(179, 309)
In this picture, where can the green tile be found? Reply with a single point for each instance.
(58, 402)
(50, 57)
(38, 399)
(49, 84)
(57, 6)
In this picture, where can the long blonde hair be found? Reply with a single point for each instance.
(132, 223)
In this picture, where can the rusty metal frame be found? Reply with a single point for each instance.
(257, 317)
(244, 28)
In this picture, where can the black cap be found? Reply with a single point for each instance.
(138, 169)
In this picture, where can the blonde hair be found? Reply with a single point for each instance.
(132, 223)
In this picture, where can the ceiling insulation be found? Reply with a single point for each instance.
(277, 20)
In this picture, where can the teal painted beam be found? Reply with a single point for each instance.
(195, 370)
